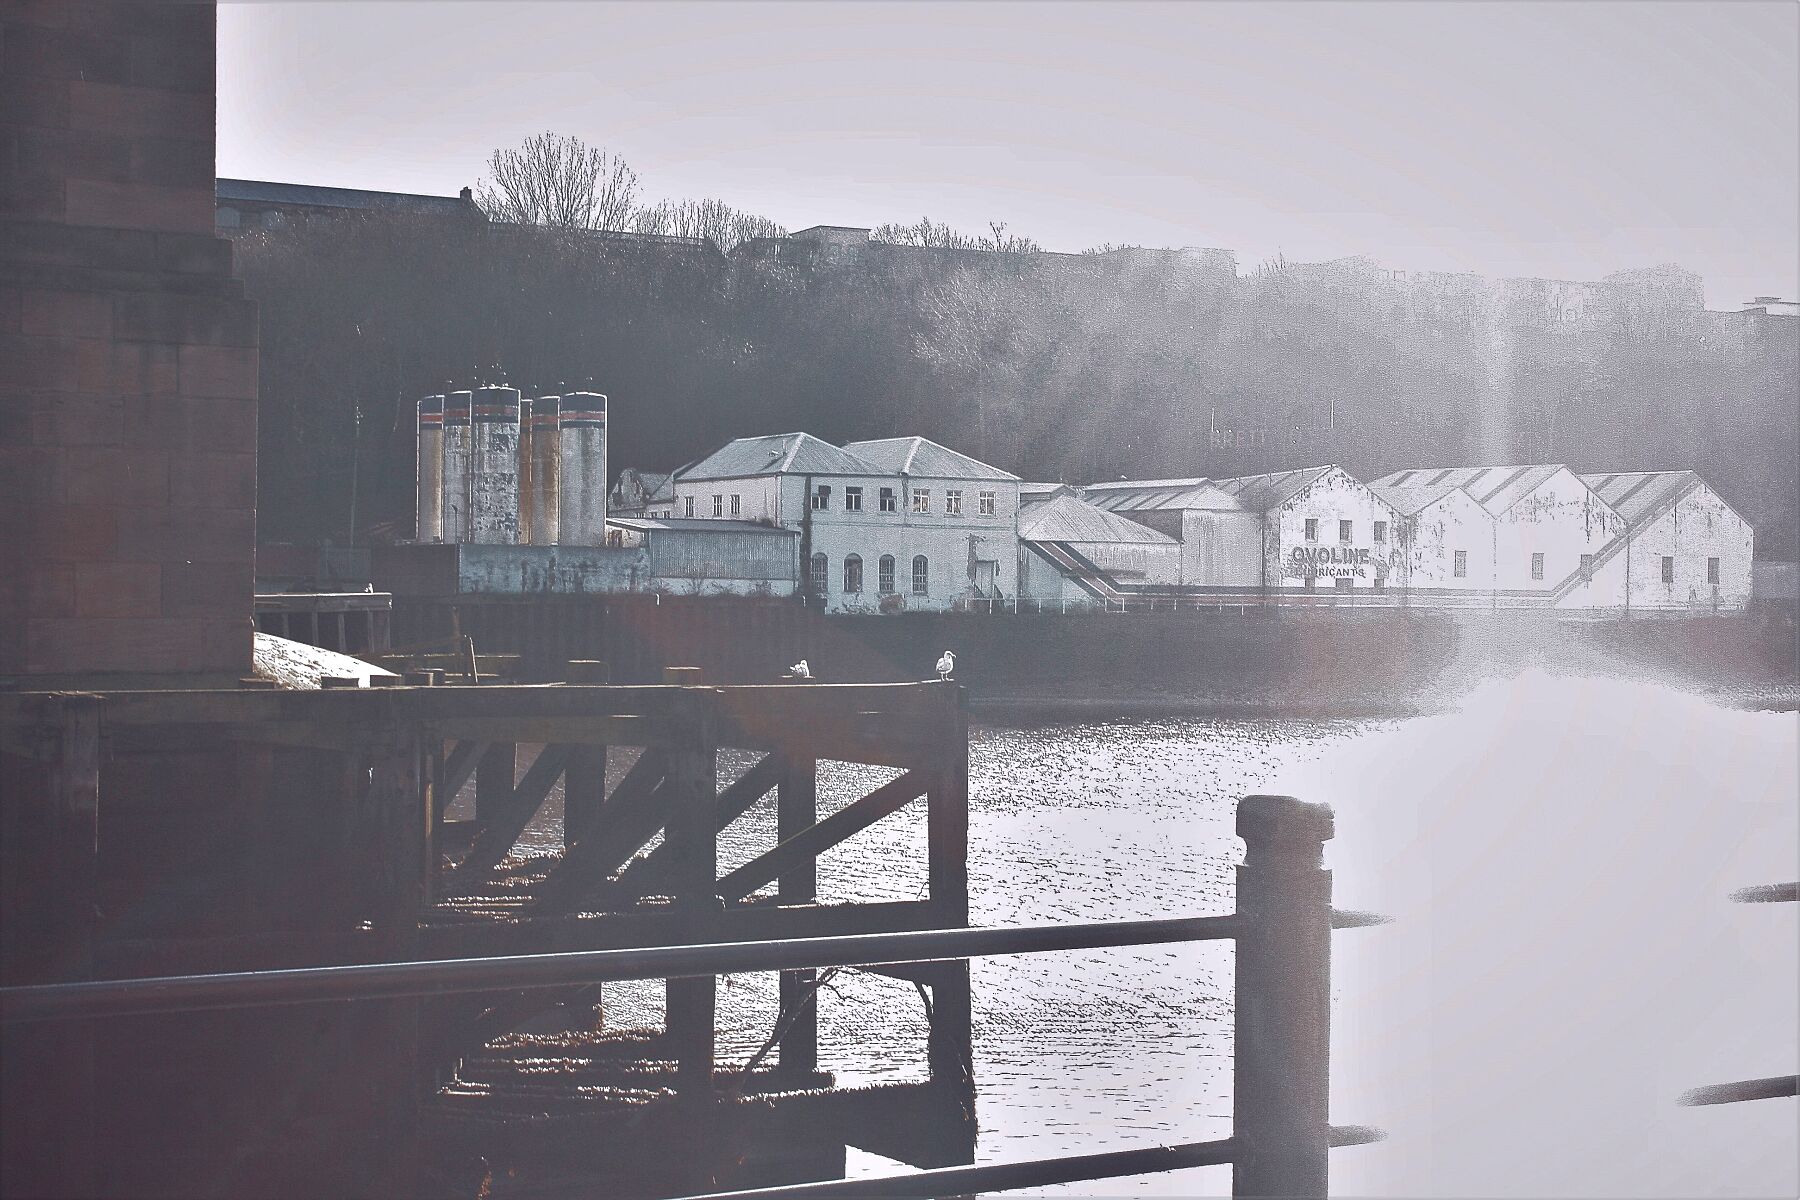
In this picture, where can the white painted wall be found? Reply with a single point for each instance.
(1334, 497)
(1221, 549)
(1562, 520)
(1434, 535)
(1698, 527)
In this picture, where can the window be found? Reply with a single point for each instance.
(718, 506)
(821, 574)
(1587, 566)
(737, 509)
(990, 504)
(884, 574)
(1312, 529)
(853, 575)
(1462, 564)
(1344, 531)
(921, 576)
(1712, 571)
(1343, 583)
(887, 500)
(1537, 566)
(821, 498)
(687, 506)
(1381, 531)
(1668, 569)
(921, 500)
(952, 502)
(852, 499)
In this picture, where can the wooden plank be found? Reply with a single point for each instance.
(494, 777)
(808, 844)
(507, 820)
(650, 873)
(630, 817)
(947, 820)
(458, 767)
(797, 810)
(689, 798)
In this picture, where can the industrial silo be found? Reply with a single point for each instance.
(428, 475)
(582, 519)
(494, 467)
(457, 440)
(524, 472)
(546, 469)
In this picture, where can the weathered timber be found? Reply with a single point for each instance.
(690, 795)
(630, 817)
(1283, 994)
(817, 838)
(648, 875)
(796, 811)
(495, 775)
(507, 819)
(463, 761)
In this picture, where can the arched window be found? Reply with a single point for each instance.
(852, 575)
(921, 576)
(884, 574)
(821, 574)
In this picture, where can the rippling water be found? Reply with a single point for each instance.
(1563, 963)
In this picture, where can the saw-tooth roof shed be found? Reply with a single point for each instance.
(1066, 519)
(1411, 501)
(1260, 493)
(1494, 488)
(1638, 496)
(1144, 495)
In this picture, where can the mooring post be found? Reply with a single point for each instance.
(1280, 1116)
(947, 872)
(690, 791)
(797, 809)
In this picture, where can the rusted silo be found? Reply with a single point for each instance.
(428, 474)
(494, 467)
(524, 472)
(582, 519)
(457, 440)
(546, 469)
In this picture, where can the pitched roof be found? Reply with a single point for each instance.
(1036, 493)
(1494, 488)
(1637, 496)
(1414, 500)
(1140, 495)
(1067, 519)
(923, 458)
(778, 454)
(1260, 493)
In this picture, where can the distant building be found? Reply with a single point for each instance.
(1073, 552)
(1682, 546)
(643, 494)
(888, 525)
(258, 204)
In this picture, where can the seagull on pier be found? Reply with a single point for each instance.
(945, 665)
(800, 670)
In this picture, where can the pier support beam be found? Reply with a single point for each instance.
(796, 810)
(1280, 1113)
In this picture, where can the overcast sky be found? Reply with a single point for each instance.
(1555, 140)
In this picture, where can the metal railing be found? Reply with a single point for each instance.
(1774, 1087)
(1282, 929)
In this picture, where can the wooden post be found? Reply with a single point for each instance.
(495, 776)
(947, 869)
(1283, 1028)
(689, 793)
(796, 809)
(584, 780)
(49, 840)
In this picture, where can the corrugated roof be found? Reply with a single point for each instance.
(776, 454)
(1413, 500)
(1067, 519)
(258, 191)
(1141, 495)
(923, 458)
(699, 525)
(1260, 493)
(1494, 488)
(1038, 493)
(1639, 495)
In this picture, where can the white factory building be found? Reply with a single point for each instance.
(1534, 541)
(890, 525)
(1683, 547)
(1072, 553)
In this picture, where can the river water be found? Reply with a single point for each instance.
(1563, 962)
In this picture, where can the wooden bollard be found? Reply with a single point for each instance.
(1280, 1114)
(421, 678)
(682, 676)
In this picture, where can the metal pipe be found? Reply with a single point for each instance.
(307, 985)
(1774, 1088)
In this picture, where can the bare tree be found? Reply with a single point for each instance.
(939, 235)
(714, 219)
(560, 181)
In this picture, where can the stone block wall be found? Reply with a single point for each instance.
(128, 355)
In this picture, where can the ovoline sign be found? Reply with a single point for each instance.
(1330, 562)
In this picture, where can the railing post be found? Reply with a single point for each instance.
(1283, 1029)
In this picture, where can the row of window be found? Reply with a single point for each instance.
(884, 575)
(1461, 567)
(988, 503)
(1346, 530)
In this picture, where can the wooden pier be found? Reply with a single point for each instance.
(165, 833)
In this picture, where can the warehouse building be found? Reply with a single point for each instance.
(1321, 527)
(1682, 547)
(1446, 542)
(1547, 529)
(887, 525)
(1221, 542)
(1075, 553)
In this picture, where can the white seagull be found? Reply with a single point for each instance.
(946, 664)
(800, 670)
